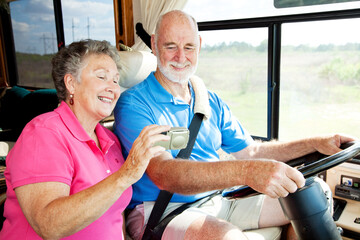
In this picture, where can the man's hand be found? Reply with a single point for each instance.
(273, 178)
(330, 144)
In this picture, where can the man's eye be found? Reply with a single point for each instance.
(101, 77)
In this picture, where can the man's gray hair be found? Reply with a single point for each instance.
(178, 14)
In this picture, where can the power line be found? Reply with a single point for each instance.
(88, 28)
(49, 43)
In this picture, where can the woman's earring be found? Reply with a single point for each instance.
(71, 99)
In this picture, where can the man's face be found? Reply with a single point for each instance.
(177, 49)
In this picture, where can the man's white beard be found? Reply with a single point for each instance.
(175, 76)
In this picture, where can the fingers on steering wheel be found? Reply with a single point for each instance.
(296, 177)
(345, 139)
(289, 186)
(277, 191)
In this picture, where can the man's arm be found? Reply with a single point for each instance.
(271, 177)
(190, 177)
(285, 151)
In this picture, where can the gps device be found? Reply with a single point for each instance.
(179, 137)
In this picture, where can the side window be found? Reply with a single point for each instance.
(319, 63)
(85, 19)
(35, 41)
(236, 70)
(320, 78)
(33, 24)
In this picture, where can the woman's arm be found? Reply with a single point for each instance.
(53, 214)
(124, 225)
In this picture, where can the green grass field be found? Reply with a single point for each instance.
(320, 91)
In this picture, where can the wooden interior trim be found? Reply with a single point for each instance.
(3, 72)
(124, 22)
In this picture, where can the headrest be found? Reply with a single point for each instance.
(136, 66)
(5, 148)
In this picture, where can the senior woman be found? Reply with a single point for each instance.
(66, 176)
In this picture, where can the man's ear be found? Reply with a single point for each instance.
(70, 82)
(200, 40)
(153, 44)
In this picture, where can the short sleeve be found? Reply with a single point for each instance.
(234, 136)
(131, 116)
(40, 155)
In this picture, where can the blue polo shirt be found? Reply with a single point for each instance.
(149, 103)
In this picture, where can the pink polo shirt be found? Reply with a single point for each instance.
(54, 147)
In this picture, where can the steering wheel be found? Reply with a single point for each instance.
(312, 165)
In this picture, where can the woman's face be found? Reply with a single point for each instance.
(96, 94)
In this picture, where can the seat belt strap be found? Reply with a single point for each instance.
(158, 231)
(193, 129)
(164, 196)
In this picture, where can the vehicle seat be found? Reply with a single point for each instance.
(135, 67)
(19, 105)
(4, 150)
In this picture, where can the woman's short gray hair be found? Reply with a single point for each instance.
(69, 60)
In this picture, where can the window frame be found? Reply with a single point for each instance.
(124, 32)
(274, 24)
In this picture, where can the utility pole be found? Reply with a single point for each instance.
(53, 42)
(49, 43)
(73, 29)
(88, 28)
(44, 39)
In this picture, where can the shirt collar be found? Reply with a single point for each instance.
(75, 128)
(105, 141)
(160, 94)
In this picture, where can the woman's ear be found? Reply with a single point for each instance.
(70, 82)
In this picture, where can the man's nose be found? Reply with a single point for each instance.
(180, 55)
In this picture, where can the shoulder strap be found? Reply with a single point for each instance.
(164, 196)
(193, 129)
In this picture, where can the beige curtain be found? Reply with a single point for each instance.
(147, 12)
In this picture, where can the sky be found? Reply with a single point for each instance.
(34, 27)
(313, 34)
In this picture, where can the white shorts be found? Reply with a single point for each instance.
(243, 213)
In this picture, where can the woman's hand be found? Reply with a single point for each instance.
(143, 150)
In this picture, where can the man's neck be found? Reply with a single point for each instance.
(178, 90)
